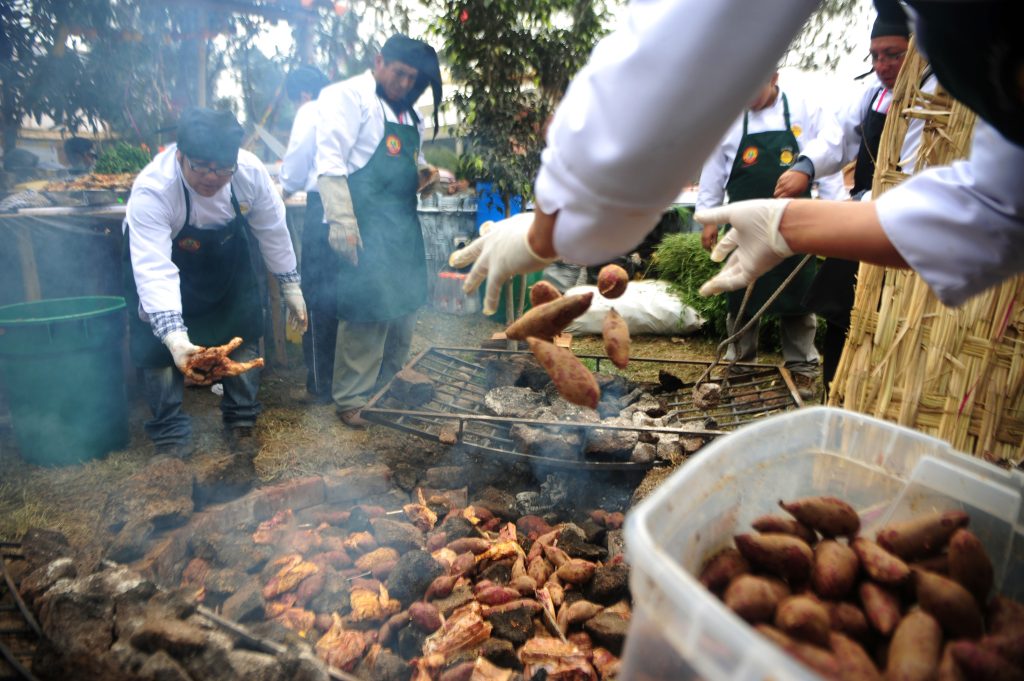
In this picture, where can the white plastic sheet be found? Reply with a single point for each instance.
(647, 306)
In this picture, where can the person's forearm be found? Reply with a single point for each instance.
(839, 229)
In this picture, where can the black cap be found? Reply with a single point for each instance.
(421, 57)
(304, 79)
(891, 20)
(210, 135)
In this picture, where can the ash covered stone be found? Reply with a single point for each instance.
(644, 453)
(608, 629)
(670, 448)
(502, 372)
(411, 576)
(563, 410)
(411, 388)
(606, 443)
(539, 441)
(609, 584)
(707, 395)
(501, 653)
(386, 667)
(498, 501)
(398, 534)
(514, 626)
(513, 402)
(245, 605)
(410, 642)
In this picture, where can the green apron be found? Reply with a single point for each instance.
(219, 288)
(761, 158)
(390, 280)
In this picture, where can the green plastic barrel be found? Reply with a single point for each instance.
(61, 367)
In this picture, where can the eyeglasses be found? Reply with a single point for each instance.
(207, 168)
(887, 57)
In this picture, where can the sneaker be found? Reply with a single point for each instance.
(353, 419)
(179, 450)
(806, 386)
(243, 440)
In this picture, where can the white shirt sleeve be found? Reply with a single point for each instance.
(266, 218)
(298, 169)
(839, 142)
(639, 118)
(339, 121)
(151, 227)
(962, 227)
(714, 175)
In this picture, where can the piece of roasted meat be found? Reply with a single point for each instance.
(210, 365)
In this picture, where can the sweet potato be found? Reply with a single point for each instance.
(879, 564)
(612, 281)
(949, 669)
(752, 598)
(951, 604)
(722, 568)
(822, 661)
(783, 555)
(915, 648)
(831, 516)
(835, 569)
(983, 665)
(848, 619)
(783, 525)
(921, 536)
(543, 292)
(854, 662)
(425, 616)
(573, 381)
(1010, 647)
(969, 564)
(803, 618)
(881, 606)
(615, 334)
(576, 571)
(548, 320)
(1005, 616)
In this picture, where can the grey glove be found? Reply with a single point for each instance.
(343, 232)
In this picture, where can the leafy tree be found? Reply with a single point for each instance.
(512, 61)
(826, 37)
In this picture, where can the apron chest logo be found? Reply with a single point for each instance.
(749, 156)
(393, 145)
(797, 130)
(189, 245)
(786, 157)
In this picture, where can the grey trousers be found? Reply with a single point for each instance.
(366, 356)
(797, 334)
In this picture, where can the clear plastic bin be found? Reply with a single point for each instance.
(681, 630)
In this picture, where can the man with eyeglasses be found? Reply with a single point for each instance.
(368, 138)
(189, 277)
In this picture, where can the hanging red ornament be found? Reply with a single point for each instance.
(464, 16)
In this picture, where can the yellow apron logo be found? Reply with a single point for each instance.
(393, 145)
(786, 157)
(749, 156)
(244, 208)
(797, 130)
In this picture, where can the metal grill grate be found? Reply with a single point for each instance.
(457, 414)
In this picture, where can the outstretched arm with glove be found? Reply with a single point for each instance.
(767, 231)
(515, 245)
(343, 231)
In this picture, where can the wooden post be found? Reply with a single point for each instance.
(29, 272)
(277, 320)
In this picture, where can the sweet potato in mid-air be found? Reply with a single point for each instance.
(543, 292)
(612, 281)
(548, 320)
(573, 381)
(616, 338)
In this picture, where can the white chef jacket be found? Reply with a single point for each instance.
(298, 169)
(156, 214)
(350, 125)
(961, 227)
(618, 150)
(806, 119)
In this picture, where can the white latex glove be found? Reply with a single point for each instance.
(754, 242)
(499, 253)
(292, 294)
(182, 350)
(342, 231)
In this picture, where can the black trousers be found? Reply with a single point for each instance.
(319, 277)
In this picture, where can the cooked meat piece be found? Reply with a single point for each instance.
(213, 364)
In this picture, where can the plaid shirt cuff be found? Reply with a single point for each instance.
(288, 277)
(164, 323)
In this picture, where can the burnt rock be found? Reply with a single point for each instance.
(513, 402)
(611, 444)
(497, 501)
(221, 583)
(387, 667)
(563, 444)
(405, 476)
(440, 477)
(574, 543)
(644, 453)
(456, 527)
(609, 584)
(458, 597)
(242, 554)
(160, 493)
(247, 664)
(301, 664)
(245, 605)
(515, 626)
(593, 532)
(40, 581)
(563, 410)
(411, 576)
(222, 477)
(668, 382)
(398, 534)
(42, 547)
(162, 667)
(503, 372)
(359, 520)
(411, 388)
(334, 595)
(410, 642)
(130, 543)
(616, 543)
(499, 573)
(501, 653)
(608, 629)
(177, 638)
(533, 377)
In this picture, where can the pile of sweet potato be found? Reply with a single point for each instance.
(913, 604)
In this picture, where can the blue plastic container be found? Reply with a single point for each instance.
(489, 205)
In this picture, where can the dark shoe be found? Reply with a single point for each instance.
(353, 419)
(179, 450)
(315, 398)
(243, 440)
(806, 386)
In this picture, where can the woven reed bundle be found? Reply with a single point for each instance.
(957, 374)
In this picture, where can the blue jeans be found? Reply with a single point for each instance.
(165, 391)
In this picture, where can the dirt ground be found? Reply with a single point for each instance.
(297, 438)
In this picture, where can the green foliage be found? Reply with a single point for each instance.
(683, 262)
(512, 61)
(829, 33)
(122, 158)
(441, 157)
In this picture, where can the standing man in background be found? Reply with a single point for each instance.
(368, 140)
(189, 276)
(759, 147)
(319, 264)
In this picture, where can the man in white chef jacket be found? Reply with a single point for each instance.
(190, 280)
